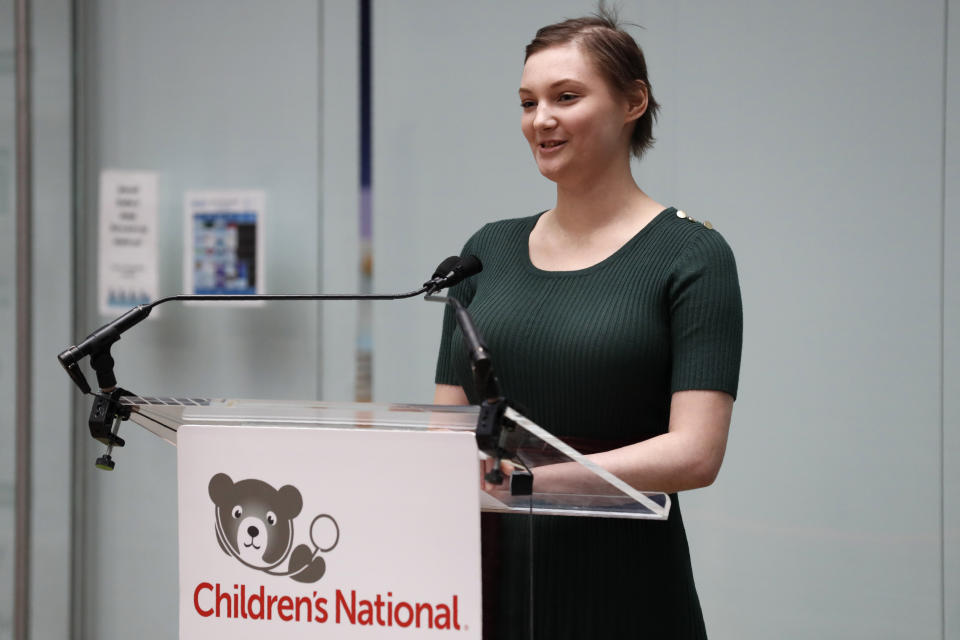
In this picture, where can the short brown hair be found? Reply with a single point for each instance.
(617, 56)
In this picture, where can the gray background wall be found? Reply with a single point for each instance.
(821, 138)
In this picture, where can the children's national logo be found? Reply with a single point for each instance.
(254, 524)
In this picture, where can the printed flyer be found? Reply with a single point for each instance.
(223, 244)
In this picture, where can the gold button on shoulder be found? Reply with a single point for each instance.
(683, 215)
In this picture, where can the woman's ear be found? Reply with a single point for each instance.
(637, 101)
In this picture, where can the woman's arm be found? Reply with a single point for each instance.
(449, 394)
(688, 456)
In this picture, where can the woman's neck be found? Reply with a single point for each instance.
(592, 204)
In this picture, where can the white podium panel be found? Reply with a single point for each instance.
(298, 532)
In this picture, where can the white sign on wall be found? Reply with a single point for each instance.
(223, 242)
(328, 533)
(127, 269)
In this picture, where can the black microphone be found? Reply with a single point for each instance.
(98, 343)
(444, 270)
(457, 269)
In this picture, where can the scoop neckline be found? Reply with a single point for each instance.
(528, 263)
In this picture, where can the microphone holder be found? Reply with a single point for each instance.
(106, 414)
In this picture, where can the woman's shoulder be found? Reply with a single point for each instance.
(510, 225)
(694, 247)
(502, 231)
(689, 235)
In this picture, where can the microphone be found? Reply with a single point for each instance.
(98, 343)
(444, 270)
(460, 270)
(453, 270)
(470, 266)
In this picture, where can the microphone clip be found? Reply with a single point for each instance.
(491, 423)
(498, 437)
(106, 414)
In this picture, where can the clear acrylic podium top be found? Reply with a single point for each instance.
(566, 481)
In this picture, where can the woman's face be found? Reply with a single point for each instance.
(576, 125)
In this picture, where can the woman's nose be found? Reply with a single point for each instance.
(544, 119)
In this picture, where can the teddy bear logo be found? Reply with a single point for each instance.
(254, 524)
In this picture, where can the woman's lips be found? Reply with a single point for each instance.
(551, 146)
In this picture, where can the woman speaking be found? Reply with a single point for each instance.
(616, 323)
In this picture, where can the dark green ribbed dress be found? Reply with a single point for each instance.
(596, 353)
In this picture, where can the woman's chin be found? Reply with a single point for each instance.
(551, 171)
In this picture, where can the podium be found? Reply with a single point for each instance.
(304, 519)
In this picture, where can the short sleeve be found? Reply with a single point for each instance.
(463, 291)
(706, 316)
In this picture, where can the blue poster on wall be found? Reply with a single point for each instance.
(224, 243)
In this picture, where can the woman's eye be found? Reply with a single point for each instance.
(566, 97)
(526, 104)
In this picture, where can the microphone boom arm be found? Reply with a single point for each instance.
(107, 411)
(97, 344)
